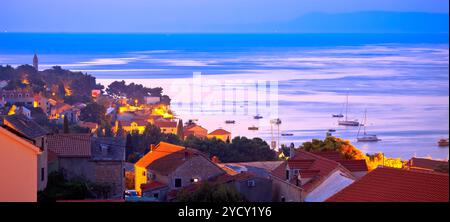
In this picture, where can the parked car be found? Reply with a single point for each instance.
(130, 193)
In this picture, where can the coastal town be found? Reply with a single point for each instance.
(64, 137)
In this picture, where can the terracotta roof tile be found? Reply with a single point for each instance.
(300, 164)
(219, 132)
(161, 150)
(425, 164)
(164, 124)
(312, 166)
(23, 125)
(70, 145)
(166, 157)
(396, 185)
(332, 155)
(354, 165)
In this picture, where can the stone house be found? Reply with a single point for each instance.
(317, 177)
(97, 159)
(195, 130)
(220, 134)
(169, 167)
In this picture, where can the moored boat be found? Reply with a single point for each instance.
(253, 128)
(443, 142)
(366, 137)
(258, 117)
(347, 122)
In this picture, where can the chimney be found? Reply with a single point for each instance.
(152, 147)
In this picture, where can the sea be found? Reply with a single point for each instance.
(396, 84)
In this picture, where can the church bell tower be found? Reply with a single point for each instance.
(35, 62)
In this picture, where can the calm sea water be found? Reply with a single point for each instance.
(402, 80)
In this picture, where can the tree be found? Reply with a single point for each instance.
(152, 135)
(58, 188)
(211, 193)
(180, 129)
(93, 112)
(66, 125)
(128, 146)
(241, 149)
(344, 147)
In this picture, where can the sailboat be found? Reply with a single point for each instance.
(347, 122)
(366, 137)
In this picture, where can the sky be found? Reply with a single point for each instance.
(182, 15)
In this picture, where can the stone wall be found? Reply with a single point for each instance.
(261, 192)
(282, 189)
(111, 173)
(195, 167)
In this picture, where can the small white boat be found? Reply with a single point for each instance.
(348, 123)
(366, 137)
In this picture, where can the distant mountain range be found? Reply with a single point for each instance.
(368, 22)
(354, 22)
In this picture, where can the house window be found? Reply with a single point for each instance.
(156, 195)
(42, 173)
(143, 173)
(296, 172)
(251, 183)
(177, 182)
(283, 199)
(287, 174)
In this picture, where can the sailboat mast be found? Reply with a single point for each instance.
(346, 108)
(365, 120)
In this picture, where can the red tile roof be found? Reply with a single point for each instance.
(70, 145)
(164, 124)
(219, 132)
(152, 185)
(424, 164)
(300, 164)
(332, 155)
(166, 157)
(396, 185)
(351, 165)
(354, 165)
(312, 166)
(309, 173)
(139, 122)
(161, 150)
